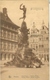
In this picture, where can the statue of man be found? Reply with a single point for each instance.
(24, 11)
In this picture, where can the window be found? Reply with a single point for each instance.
(5, 45)
(0, 56)
(15, 45)
(46, 38)
(33, 31)
(33, 40)
(4, 56)
(15, 36)
(2, 45)
(2, 33)
(4, 25)
(40, 39)
(12, 46)
(8, 35)
(9, 56)
(44, 31)
(12, 28)
(8, 46)
(36, 46)
(42, 46)
(11, 35)
(31, 45)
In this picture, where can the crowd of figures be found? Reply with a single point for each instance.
(44, 57)
(24, 57)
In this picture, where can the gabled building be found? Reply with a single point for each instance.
(39, 41)
(44, 42)
(34, 39)
(8, 36)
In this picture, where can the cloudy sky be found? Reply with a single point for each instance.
(37, 11)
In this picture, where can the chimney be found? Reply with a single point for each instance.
(5, 11)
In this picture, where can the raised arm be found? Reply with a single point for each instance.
(21, 7)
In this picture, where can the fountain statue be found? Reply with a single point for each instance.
(22, 7)
(24, 57)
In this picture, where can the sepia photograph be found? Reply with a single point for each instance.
(24, 40)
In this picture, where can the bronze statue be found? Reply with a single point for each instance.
(24, 11)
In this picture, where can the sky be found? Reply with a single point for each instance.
(49, 1)
(49, 13)
(49, 25)
(37, 11)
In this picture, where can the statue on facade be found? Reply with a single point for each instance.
(22, 7)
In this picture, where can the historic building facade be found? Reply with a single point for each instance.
(39, 41)
(8, 36)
